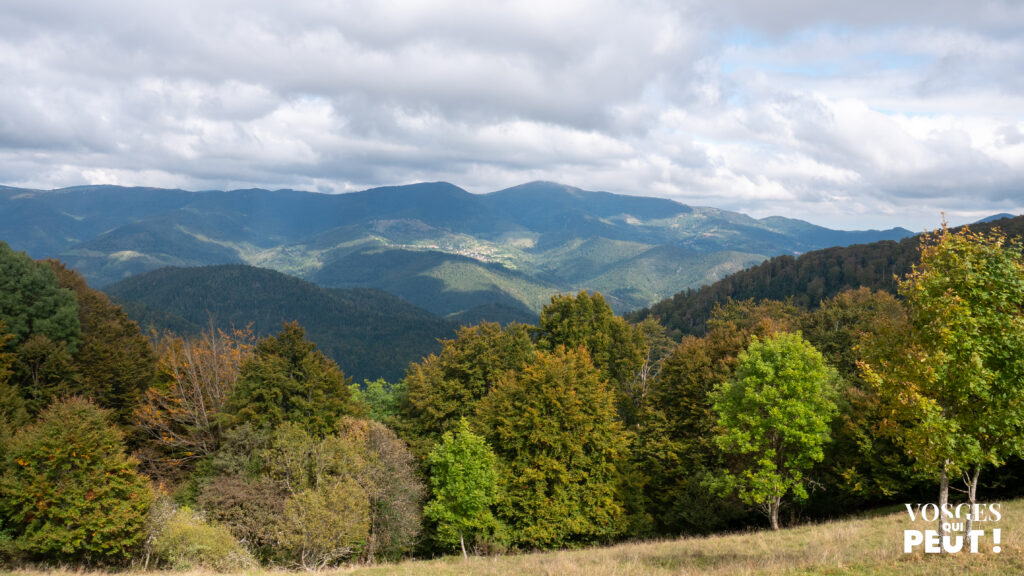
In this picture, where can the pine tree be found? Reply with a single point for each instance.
(289, 380)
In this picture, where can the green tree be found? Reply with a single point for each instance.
(866, 466)
(554, 427)
(954, 387)
(12, 407)
(617, 348)
(115, 362)
(289, 380)
(381, 400)
(385, 469)
(446, 387)
(68, 491)
(463, 478)
(31, 301)
(326, 524)
(676, 441)
(43, 372)
(775, 414)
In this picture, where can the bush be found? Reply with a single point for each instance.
(183, 539)
(324, 525)
(68, 491)
(251, 510)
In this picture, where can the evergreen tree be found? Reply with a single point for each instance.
(289, 380)
(68, 491)
(31, 301)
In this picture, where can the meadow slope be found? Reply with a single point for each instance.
(866, 545)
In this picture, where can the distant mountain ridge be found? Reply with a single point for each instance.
(433, 244)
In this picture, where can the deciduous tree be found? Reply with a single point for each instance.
(676, 445)
(446, 387)
(114, 362)
(385, 469)
(463, 480)
(775, 414)
(554, 427)
(617, 348)
(954, 387)
(182, 412)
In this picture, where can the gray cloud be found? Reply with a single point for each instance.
(874, 115)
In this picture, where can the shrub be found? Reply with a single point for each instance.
(250, 510)
(324, 525)
(184, 540)
(68, 491)
(386, 470)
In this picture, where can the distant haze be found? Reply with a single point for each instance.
(848, 115)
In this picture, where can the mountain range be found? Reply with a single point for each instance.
(462, 256)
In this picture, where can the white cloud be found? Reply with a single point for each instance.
(874, 114)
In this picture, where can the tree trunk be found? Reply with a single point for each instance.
(773, 512)
(972, 500)
(462, 541)
(943, 499)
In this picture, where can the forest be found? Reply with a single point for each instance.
(225, 451)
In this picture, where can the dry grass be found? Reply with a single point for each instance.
(869, 545)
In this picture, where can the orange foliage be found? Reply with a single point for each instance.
(195, 378)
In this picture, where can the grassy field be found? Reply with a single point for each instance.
(867, 545)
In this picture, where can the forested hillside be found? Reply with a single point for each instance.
(805, 280)
(371, 333)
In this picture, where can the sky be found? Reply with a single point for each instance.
(851, 115)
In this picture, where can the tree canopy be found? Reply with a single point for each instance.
(554, 426)
(289, 380)
(954, 382)
(68, 491)
(463, 480)
(32, 301)
(775, 414)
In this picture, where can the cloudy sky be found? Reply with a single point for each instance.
(848, 114)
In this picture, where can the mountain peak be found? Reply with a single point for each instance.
(995, 217)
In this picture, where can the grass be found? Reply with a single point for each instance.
(868, 545)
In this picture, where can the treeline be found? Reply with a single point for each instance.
(805, 280)
(583, 429)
